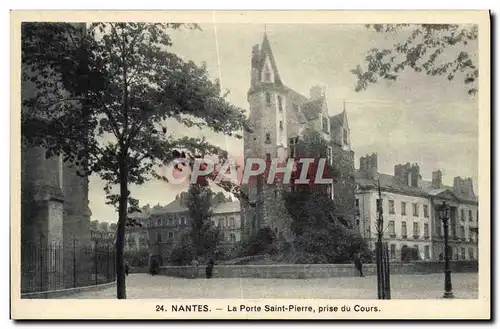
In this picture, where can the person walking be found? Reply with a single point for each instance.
(194, 268)
(127, 268)
(209, 269)
(358, 263)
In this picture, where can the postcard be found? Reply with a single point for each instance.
(250, 165)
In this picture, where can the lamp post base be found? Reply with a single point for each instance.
(448, 295)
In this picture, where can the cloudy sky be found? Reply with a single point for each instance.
(418, 119)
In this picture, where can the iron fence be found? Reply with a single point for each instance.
(61, 266)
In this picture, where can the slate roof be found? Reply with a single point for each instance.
(390, 182)
(176, 207)
(337, 120)
(227, 207)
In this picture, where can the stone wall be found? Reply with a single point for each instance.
(309, 271)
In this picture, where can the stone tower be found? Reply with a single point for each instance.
(55, 214)
(268, 116)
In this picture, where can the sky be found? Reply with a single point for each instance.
(416, 119)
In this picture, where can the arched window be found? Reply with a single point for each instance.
(268, 99)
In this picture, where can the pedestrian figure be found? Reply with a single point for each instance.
(194, 268)
(209, 269)
(127, 268)
(358, 263)
(153, 267)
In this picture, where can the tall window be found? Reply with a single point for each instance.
(391, 207)
(426, 211)
(231, 222)
(471, 253)
(426, 230)
(268, 138)
(325, 124)
(281, 124)
(416, 229)
(403, 229)
(267, 74)
(391, 228)
(415, 210)
(345, 136)
(293, 146)
(427, 252)
(232, 237)
(170, 235)
(462, 253)
(170, 221)
(403, 208)
(280, 104)
(393, 251)
(60, 170)
(158, 237)
(357, 207)
(462, 232)
(470, 216)
(462, 214)
(438, 228)
(268, 99)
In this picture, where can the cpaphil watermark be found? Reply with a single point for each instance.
(293, 171)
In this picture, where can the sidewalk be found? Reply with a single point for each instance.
(145, 286)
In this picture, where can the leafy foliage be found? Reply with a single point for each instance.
(320, 237)
(205, 236)
(183, 253)
(262, 242)
(313, 145)
(426, 48)
(100, 96)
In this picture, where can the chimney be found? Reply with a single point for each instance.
(316, 92)
(416, 179)
(402, 172)
(362, 164)
(368, 165)
(437, 179)
(463, 186)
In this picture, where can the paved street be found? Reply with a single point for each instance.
(145, 286)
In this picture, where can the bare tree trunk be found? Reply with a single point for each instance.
(121, 292)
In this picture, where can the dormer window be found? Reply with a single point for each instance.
(267, 75)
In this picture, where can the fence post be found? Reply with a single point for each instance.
(40, 249)
(95, 261)
(388, 276)
(75, 283)
(107, 265)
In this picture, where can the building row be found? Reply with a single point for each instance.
(410, 210)
(162, 227)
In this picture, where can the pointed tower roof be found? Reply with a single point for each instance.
(265, 52)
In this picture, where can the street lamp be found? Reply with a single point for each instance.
(444, 214)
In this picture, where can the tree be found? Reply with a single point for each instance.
(199, 202)
(425, 48)
(320, 236)
(313, 145)
(103, 94)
